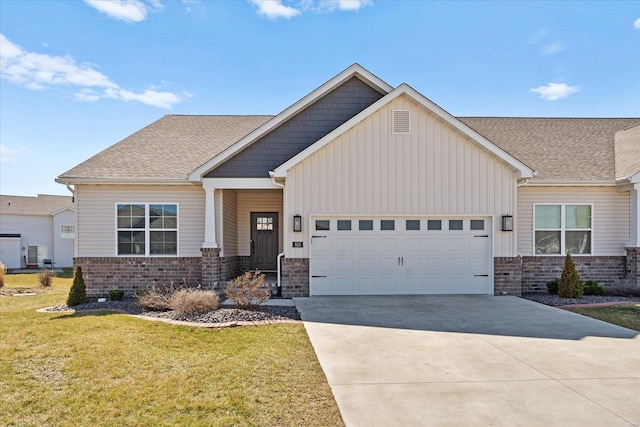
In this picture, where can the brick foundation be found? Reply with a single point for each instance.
(516, 275)
(295, 277)
(233, 266)
(507, 275)
(211, 267)
(130, 274)
(632, 267)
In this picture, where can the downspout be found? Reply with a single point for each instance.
(280, 255)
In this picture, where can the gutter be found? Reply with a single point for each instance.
(280, 255)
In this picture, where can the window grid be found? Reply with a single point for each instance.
(558, 240)
(146, 229)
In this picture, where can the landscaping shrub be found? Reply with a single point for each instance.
(194, 300)
(247, 291)
(116, 295)
(623, 291)
(78, 291)
(591, 287)
(3, 271)
(45, 277)
(570, 285)
(155, 298)
(552, 286)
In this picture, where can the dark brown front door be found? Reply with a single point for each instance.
(264, 240)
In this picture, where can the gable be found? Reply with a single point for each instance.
(299, 132)
(627, 151)
(434, 169)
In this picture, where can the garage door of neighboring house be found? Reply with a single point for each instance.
(400, 255)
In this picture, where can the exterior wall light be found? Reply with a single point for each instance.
(297, 223)
(507, 223)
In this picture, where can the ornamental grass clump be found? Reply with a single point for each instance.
(193, 301)
(78, 291)
(570, 285)
(155, 298)
(247, 291)
(45, 277)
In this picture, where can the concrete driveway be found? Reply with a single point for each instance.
(472, 361)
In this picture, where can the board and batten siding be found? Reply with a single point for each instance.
(256, 201)
(96, 215)
(610, 215)
(368, 170)
(229, 239)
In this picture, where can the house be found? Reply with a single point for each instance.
(362, 188)
(35, 231)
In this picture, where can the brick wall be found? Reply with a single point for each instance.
(295, 277)
(211, 267)
(507, 275)
(632, 267)
(131, 274)
(233, 266)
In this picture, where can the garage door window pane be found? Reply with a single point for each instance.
(477, 224)
(344, 224)
(413, 224)
(455, 224)
(434, 224)
(387, 224)
(322, 224)
(366, 224)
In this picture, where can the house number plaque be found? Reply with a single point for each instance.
(297, 244)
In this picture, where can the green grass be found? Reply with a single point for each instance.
(106, 369)
(626, 315)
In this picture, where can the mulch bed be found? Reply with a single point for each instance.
(585, 300)
(224, 316)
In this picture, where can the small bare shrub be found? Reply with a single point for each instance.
(45, 277)
(623, 291)
(193, 301)
(247, 291)
(155, 298)
(3, 271)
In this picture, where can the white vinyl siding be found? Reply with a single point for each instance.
(97, 222)
(610, 213)
(434, 170)
(256, 201)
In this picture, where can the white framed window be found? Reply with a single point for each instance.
(67, 231)
(562, 228)
(146, 229)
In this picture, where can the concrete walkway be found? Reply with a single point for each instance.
(472, 361)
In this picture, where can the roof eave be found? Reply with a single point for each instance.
(354, 70)
(122, 181)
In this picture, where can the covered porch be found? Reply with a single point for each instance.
(244, 226)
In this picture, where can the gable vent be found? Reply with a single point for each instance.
(401, 121)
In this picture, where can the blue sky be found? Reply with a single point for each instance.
(79, 76)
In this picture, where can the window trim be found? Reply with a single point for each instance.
(563, 229)
(147, 230)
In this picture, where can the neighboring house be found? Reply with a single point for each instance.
(37, 229)
(363, 189)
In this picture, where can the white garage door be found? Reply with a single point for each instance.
(376, 256)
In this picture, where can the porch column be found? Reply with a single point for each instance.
(634, 220)
(210, 217)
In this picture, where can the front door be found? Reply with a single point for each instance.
(264, 240)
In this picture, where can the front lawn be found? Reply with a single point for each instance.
(626, 315)
(102, 368)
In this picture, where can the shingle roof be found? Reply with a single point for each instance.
(44, 204)
(559, 149)
(168, 148)
(627, 148)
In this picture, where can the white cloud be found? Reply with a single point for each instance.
(349, 4)
(552, 49)
(636, 24)
(125, 10)
(555, 91)
(274, 9)
(41, 71)
(10, 155)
